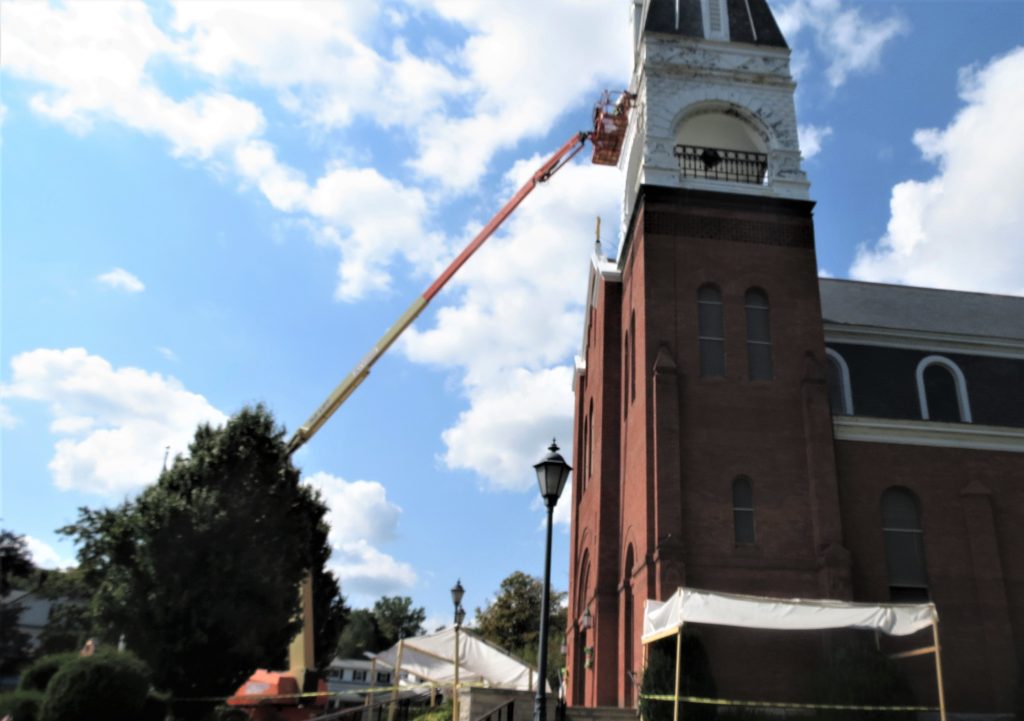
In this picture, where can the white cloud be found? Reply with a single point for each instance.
(947, 230)
(312, 54)
(515, 324)
(113, 423)
(46, 556)
(361, 516)
(367, 572)
(518, 71)
(527, 63)
(851, 42)
(508, 425)
(811, 138)
(93, 58)
(121, 279)
(8, 420)
(167, 353)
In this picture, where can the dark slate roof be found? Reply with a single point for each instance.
(924, 309)
(661, 18)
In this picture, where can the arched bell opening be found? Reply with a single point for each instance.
(720, 143)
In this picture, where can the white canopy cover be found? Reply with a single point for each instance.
(689, 605)
(431, 657)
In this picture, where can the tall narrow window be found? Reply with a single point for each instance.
(759, 337)
(632, 351)
(590, 440)
(582, 476)
(942, 391)
(627, 625)
(710, 331)
(743, 510)
(904, 546)
(839, 396)
(625, 376)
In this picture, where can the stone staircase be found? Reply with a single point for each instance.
(601, 713)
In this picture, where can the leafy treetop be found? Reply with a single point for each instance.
(201, 571)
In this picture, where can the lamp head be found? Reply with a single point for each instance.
(552, 473)
(457, 592)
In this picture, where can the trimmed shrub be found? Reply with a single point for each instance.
(859, 673)
(155, 708)
(39, 672)
(107, 686)
(659, 679)
(21, 705)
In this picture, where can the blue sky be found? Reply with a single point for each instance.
(206, 205)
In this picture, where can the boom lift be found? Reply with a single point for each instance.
(274, 692)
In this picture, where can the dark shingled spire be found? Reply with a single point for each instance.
(750, 21)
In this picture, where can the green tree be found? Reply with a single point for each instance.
(15, 564)
(512, 620)
(396, 618)
(71, 621)
(360, 635)
(330, 614)
(201, 571)
(15, 560)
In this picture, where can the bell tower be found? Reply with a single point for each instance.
(703, 452)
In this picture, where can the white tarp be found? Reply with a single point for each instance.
(688, 605)
(431, 657)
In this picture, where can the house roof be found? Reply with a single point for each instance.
(923, 309)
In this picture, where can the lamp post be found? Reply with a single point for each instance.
(460, 615)
(552, 473)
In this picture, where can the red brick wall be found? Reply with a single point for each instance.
(666, 459)
(976, 577)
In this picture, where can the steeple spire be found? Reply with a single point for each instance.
(714, 105)
(743, 21)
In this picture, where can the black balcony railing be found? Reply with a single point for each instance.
(737, 166)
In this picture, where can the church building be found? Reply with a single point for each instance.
(744, 426)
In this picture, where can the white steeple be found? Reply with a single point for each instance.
(714, 101)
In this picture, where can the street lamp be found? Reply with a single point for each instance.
(460, 615)
(552, 473)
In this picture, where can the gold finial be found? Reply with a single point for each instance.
(597, 230)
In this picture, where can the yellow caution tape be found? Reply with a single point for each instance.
(782, 704)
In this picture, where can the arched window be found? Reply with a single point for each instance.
(743, 510)
(942, 391)
(759, 337)
(710, 331)
(840, 396)
(632, 352)
(904, 546)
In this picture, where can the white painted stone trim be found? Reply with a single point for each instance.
(844, 372)
(958, 377)
(579, 367)
(924, 340)
(928, 433)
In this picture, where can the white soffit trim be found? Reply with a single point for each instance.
(924, 340)
(928, 433)
(608, 270)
